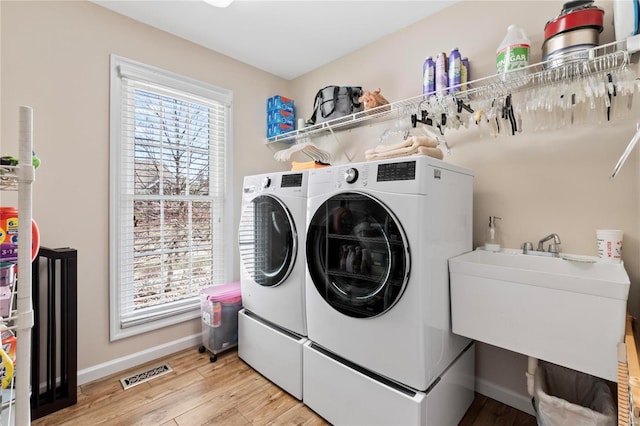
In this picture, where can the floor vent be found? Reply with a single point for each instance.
(145, 376)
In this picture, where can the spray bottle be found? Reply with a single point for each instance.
(442, 76)
(455, 71)
(465, 75)
(428, 76)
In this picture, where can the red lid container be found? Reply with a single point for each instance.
(582, 15)
(225, 293)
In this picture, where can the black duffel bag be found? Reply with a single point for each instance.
(334, 102)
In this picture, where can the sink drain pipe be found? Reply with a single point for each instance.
(532, 365)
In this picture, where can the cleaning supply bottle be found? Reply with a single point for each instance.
(442, 76)
(428, 76)
(513, 53)
(492, 242)
(465, 74)
(455, 70)
(465, 63)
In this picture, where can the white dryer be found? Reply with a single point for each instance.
(271, 241)
(378, 238)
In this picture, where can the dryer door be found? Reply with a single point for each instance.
(357, 255)
(267, 240)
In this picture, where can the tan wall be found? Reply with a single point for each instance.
(55, 58)
(538, 182)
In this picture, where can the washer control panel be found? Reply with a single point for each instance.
(294, 184)
(405, 170)
(351, 175)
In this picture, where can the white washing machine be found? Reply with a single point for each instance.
(271, 241)
(379, 235)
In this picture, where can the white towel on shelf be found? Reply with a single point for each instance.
(412, 145)
(421, 150)
(412, 142)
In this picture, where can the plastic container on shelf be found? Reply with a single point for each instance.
(455, 71)
(569, 36)
(7, 278)
(219, 306)
(442, 74)
(428, 76)
(9, 236)
(465, 74)
(512, 54)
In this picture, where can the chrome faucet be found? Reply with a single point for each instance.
(553, 247)
(552, 250)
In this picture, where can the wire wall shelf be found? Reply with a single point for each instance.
(559, 71)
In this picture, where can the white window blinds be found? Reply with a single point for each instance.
(168, 184)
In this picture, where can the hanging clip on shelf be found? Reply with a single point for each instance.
(611, 90)
(424, 119)
(507, 113)
(462, 105)
(443, 123)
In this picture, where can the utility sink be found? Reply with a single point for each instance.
(569, 310)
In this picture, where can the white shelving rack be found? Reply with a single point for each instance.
(603, 58)
(20, 178)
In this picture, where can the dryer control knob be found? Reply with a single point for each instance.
(351, 175)
(266, 182)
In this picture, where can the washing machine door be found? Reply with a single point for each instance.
(267, 240)
(357, 255)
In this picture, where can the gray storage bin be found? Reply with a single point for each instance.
(219, 306)
(567, 397)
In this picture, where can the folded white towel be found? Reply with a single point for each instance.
(421, 150)
(410, 142)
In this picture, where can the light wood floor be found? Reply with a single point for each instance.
(227, 392)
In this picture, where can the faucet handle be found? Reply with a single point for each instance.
(554, 248)
(527, 247)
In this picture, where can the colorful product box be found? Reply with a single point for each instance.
(9, 234)
(278, 102)
(278, 129)
(280, 116)
(9, 343)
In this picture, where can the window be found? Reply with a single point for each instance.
(169, 198)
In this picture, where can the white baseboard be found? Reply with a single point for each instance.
(90, 374)
(504, 395)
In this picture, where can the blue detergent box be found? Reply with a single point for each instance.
(276, 129)
(281, 116)
(278, 102)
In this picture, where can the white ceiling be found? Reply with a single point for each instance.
(285, 38)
